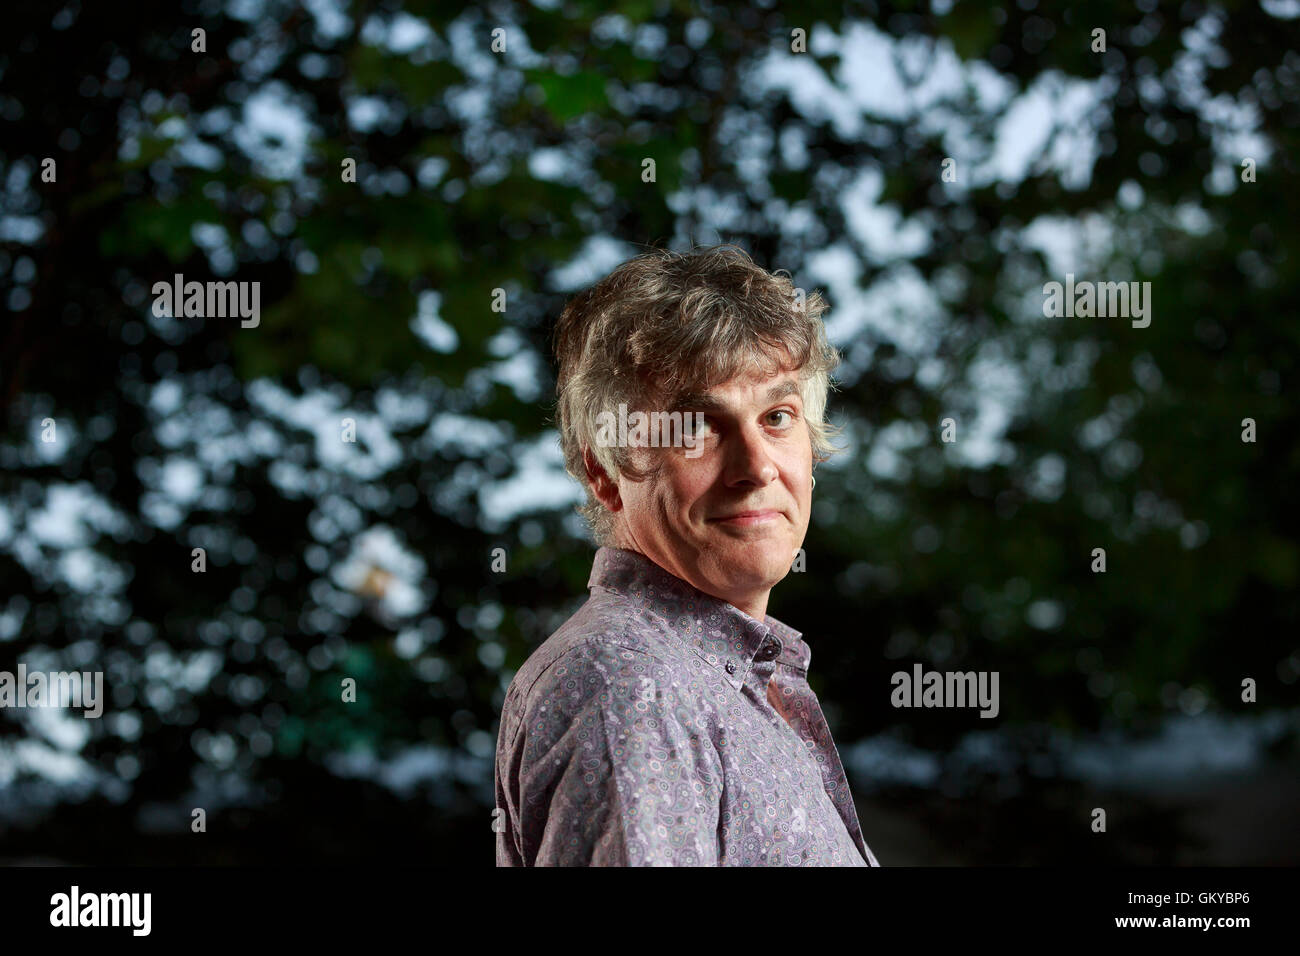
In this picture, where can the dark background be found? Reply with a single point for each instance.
(522, 171)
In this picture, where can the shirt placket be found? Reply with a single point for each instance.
(811, 726)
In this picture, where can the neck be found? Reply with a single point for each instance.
(755, 607)
(755, 604)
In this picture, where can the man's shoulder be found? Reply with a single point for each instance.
(602, 636)
(609, 646)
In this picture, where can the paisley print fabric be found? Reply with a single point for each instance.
(660, 726)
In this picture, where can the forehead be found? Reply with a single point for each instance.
(758, 388)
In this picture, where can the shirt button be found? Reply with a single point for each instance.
(731, 667)
(770, 650)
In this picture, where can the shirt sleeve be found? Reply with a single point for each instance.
(611, 765)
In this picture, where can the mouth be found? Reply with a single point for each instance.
(746, 518)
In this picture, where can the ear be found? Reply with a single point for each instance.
(602, 486)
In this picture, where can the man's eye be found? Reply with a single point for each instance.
(696, 426)
(789, 418)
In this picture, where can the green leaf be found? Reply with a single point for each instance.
(571, 96)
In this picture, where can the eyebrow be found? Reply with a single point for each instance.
(706, 402)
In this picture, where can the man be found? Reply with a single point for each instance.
(670, 721)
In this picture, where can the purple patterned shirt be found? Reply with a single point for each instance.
(661, 726)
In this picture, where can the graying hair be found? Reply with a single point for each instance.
(665, 322)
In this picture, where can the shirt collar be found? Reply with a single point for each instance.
(719, 632)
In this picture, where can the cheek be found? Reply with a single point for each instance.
(685, 487)
(800, 484)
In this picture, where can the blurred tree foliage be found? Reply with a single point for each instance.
(227, 164)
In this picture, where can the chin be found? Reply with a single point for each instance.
(754, 564)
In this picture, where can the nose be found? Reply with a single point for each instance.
(748, 461)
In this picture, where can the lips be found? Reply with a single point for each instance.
(757, 516)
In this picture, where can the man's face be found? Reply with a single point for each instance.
(729, 516)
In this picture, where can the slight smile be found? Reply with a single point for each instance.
(747, 517)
